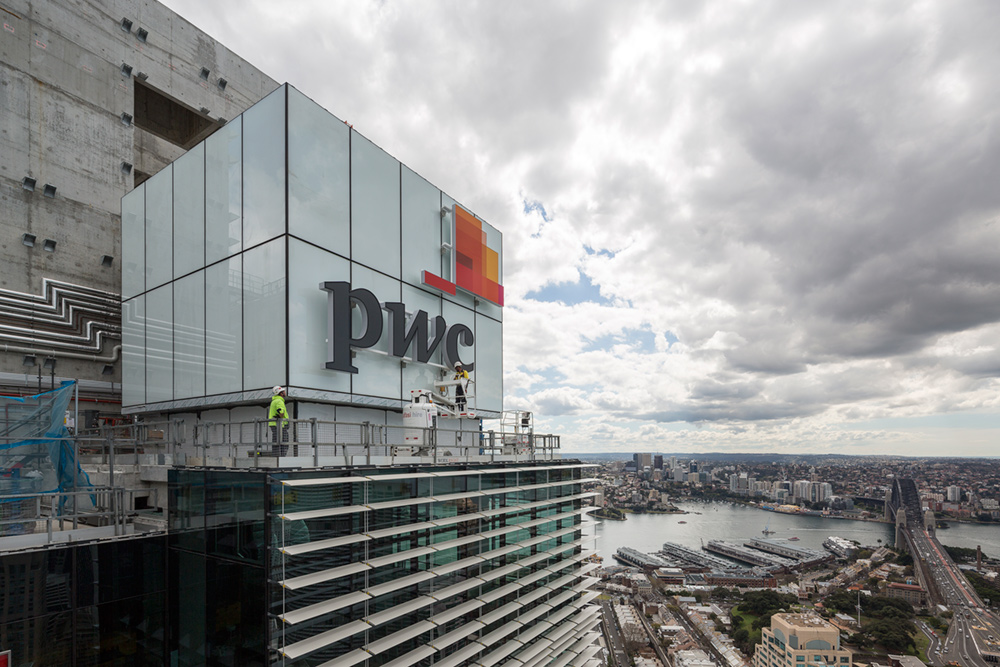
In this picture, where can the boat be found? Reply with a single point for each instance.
(682, 522)
(767, 529)
(793, 539)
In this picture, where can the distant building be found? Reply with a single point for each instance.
(913, 594)
(800, 639)
(954, 494)
(658, 462)
(642, 460)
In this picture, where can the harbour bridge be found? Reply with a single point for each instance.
(974, 631)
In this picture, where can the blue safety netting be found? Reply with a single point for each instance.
(36, 453)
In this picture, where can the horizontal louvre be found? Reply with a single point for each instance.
(455, 589)
(460, 656)
(403, 502)
(323, 513)
(299, 649)
(562, 660)
(532, 614)
(401, 582)
(460, 518)
(411, 658)
(502, 551)
(399, 637)
(455, 612)
(403, 609)
(401, 475)
(589, 596)
(451, 544)
(308, 547)
(458, 634)
(499, 613)
(400, 556)
(496, 656)
(458, 496)
(562, 581)
(557, 617)
(326, 575)
(322, 481)
(504, 630)
(561, 598)
(320, 608)
(536, 629)
(531, 651)
(500, 572)
(457, 565)
(349, 659)
(399, 530)
(500, 592)
(534, 595)
(585, 656)
(533, 577)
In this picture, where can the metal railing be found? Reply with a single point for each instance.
(97, 506)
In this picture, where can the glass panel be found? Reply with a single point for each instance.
(159, 345)
(159, 228)
(189, 211)
(134, 351)
(378, 374)
(264, 316)
(448, 238)
(307, 309)
(416, 375)
(318, 175)
(264, 169)
(489, 364)
(189, 336)
(421, 222)
(374, 206)
(494, 240)
(223, 192)
(224, 327)
(133, 242)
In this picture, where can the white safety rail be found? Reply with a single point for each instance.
(481, 565)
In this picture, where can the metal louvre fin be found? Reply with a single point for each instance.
(325, 607)
(408, 607)
(411, 658)
(455, 635)
(307, 547)
(503, 631)
(325, 575)
(400, 636)
(316, 642)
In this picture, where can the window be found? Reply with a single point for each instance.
(800, 658)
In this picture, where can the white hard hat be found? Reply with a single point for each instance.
(458, 364)
(278, 389)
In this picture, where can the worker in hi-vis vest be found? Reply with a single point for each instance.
(460, 374)
(277, 413)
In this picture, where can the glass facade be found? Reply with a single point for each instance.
(94, 604)
(224, 251)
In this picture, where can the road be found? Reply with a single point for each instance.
(653, 639)
(617, 645)
(972, 639)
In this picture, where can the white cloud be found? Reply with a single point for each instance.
(803, 194)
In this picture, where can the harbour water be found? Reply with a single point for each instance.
(725, 521)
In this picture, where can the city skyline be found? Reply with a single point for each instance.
(729, 227)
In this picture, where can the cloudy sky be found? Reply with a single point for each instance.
(728, 226)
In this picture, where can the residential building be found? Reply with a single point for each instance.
(800, 640)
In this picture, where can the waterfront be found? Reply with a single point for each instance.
(725, 521)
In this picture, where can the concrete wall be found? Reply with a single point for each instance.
(62, 92)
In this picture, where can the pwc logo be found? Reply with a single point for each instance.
(475, 266)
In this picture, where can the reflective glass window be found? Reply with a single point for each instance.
(134, 351)
(224, 326)
(489, 364)
(309, 266)
(224, 191)
(264, 169)
(134, 242)
(374, 206)
(189, 336)
(159, 345)
(264, 316)
(378, 374)
(420, 225)
(189, 211)
(159, 228)
(318, 175)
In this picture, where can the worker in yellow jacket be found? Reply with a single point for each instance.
(277, 415)
(463, 375)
